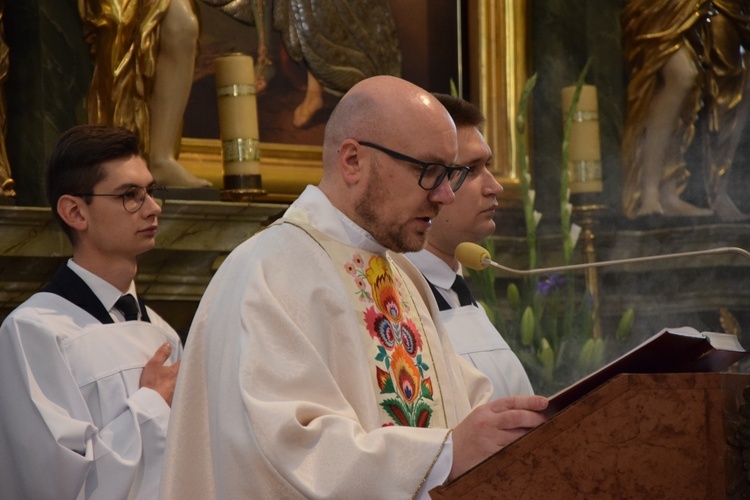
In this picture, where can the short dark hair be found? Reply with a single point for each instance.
(464, 113)
(75, 164)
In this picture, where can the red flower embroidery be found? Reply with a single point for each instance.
(383, 377)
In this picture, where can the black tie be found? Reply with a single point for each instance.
(128, 307)
(462, 289)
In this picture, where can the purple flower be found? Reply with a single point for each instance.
(550, 283)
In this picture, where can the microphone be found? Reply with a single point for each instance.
(476, 257)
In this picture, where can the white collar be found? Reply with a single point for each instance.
(313, 207)
(434, 268)
(104, 291)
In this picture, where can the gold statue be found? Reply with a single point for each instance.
(7, 186)
(682, 56)
(144, 54)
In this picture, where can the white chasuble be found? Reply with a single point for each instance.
(306, 356)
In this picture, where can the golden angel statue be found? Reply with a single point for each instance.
(683, 57)
(144, 57)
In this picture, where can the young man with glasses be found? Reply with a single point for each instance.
(87, 370)
(469, 218)
(317, 365)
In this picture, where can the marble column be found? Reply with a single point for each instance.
(49, 75)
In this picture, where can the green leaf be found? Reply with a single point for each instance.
(423, 414)
(397, 411)
(388, 387)
(564, 174)
(592, 354)
(625, 326)
(488, 311)
(523, 167)
(585, 358)
(527, 326)
(514, 297)
(382, 354)
(547, 357)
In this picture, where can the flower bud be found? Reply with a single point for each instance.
(527, 326)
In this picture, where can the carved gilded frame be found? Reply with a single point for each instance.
(498, 69)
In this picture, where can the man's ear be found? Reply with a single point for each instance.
(72, 212)
(350, 161)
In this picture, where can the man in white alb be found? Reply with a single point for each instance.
(87, 371)
(469, 218)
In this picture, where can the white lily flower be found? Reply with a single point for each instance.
(575, 232)
(537, 217)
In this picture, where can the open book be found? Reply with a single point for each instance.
(672, 350)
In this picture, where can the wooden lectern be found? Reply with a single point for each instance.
(636, 436)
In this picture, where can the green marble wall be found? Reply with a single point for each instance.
(50, 70)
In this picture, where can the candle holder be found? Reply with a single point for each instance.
(238, 127)
(241, 187)
(587, 216)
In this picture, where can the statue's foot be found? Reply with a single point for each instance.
(727, 211)
(649, 207)
(172, 174)
(8, 188)
(675, 207)
(307, 109)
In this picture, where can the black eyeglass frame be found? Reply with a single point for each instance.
(448, 171)
(156, 192)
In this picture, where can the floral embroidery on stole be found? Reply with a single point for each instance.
(402, 366)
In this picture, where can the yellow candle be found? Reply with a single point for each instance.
(238, 120)
(584, 150)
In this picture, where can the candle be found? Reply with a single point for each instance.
(238, 121)
(584, 150)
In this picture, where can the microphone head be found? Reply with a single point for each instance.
(472, 255)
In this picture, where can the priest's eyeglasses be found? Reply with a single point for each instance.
(134, 196)
(432, 173)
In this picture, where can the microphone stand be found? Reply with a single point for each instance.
(474, 256)
(487, 262)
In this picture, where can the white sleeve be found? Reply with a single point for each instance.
(440, 470)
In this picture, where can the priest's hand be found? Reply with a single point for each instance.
(158, 377)
(491, 426)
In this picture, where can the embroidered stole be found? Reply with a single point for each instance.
(388, 307)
